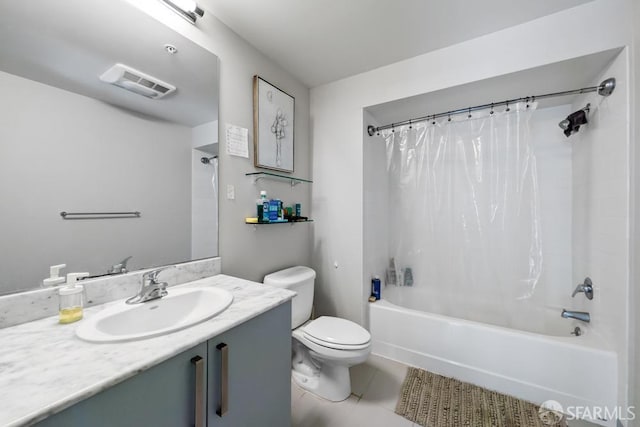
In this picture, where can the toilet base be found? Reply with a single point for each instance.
(328, 379)
(334, 384)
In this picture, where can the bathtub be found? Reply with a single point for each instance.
(577, 371)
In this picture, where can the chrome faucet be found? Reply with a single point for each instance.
(150, 288)
(119, 268)
(586, 287)
(579, 315)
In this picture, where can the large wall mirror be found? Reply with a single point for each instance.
(70, 142)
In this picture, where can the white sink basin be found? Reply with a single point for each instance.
(180, 309)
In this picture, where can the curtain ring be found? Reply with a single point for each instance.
(449, 119)
(491, 112)
(527, 100)
(469, 116)
(434, 119)
(409, 124)
(508, 109)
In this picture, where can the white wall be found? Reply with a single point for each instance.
(60, 151)
(247, 252)
(377, 212)
(553, 161)
(601, 212)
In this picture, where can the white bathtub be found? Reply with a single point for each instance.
(574, 371)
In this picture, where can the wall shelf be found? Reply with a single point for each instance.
(278, 222)
(255, 224)
(256, 176)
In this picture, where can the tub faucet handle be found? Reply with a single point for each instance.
(586, 287)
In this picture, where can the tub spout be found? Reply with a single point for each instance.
(579, 315)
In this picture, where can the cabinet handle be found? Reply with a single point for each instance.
(199, 364)
(224, 378)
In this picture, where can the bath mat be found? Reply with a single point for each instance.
(432, 400)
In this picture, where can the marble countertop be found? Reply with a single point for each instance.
(45, 368)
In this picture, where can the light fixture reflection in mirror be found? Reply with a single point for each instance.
(188, 9)
(69, 142)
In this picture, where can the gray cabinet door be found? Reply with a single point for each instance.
(161, 396)
(259, 372)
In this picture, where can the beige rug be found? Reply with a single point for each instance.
(435, 401)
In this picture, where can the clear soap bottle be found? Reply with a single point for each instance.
(71, 299)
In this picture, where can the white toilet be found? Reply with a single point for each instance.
(322, 349)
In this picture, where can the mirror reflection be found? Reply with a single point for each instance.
(90, 124)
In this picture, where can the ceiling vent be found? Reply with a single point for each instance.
(136, 81)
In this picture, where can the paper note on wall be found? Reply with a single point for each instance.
(237, 141)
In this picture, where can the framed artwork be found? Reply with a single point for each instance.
(273, 118)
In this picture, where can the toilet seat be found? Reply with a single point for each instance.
(336, 333)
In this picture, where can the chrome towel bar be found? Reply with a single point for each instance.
(99, 215)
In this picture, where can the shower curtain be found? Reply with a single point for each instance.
(464, 211)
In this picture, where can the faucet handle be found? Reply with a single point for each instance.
(152, 275)
(121, 267)
(586, 287)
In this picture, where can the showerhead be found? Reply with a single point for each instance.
(207, 160)
(565, 124)
(572, 123)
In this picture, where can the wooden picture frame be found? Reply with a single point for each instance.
(273, 124)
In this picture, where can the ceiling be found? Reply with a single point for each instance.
(64, 43)
(323, 41)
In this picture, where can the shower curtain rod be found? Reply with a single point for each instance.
(604, 89)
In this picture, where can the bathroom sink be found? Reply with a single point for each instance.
(178, 310)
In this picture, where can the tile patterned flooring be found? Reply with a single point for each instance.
(375, 387)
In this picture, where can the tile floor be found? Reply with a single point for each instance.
(375, 387)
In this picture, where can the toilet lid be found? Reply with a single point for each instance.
(333, 331)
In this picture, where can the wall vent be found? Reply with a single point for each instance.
(136, 81)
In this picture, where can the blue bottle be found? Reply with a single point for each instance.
(375, 287)
(273, 209)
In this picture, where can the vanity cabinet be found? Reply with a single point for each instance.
(160, 396)
(246, 369)
(258, 370)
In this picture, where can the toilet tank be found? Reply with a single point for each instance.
(300, 280)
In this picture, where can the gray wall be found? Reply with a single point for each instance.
(247, 252)
(64, 152)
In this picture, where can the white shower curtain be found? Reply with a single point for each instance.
(464, 211)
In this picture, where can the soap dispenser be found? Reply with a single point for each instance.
(71, 297)
(54, 278)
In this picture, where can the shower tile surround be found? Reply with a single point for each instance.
(601, 215)
(40, 303)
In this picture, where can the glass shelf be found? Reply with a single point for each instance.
(279, 222)
(270, 175)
